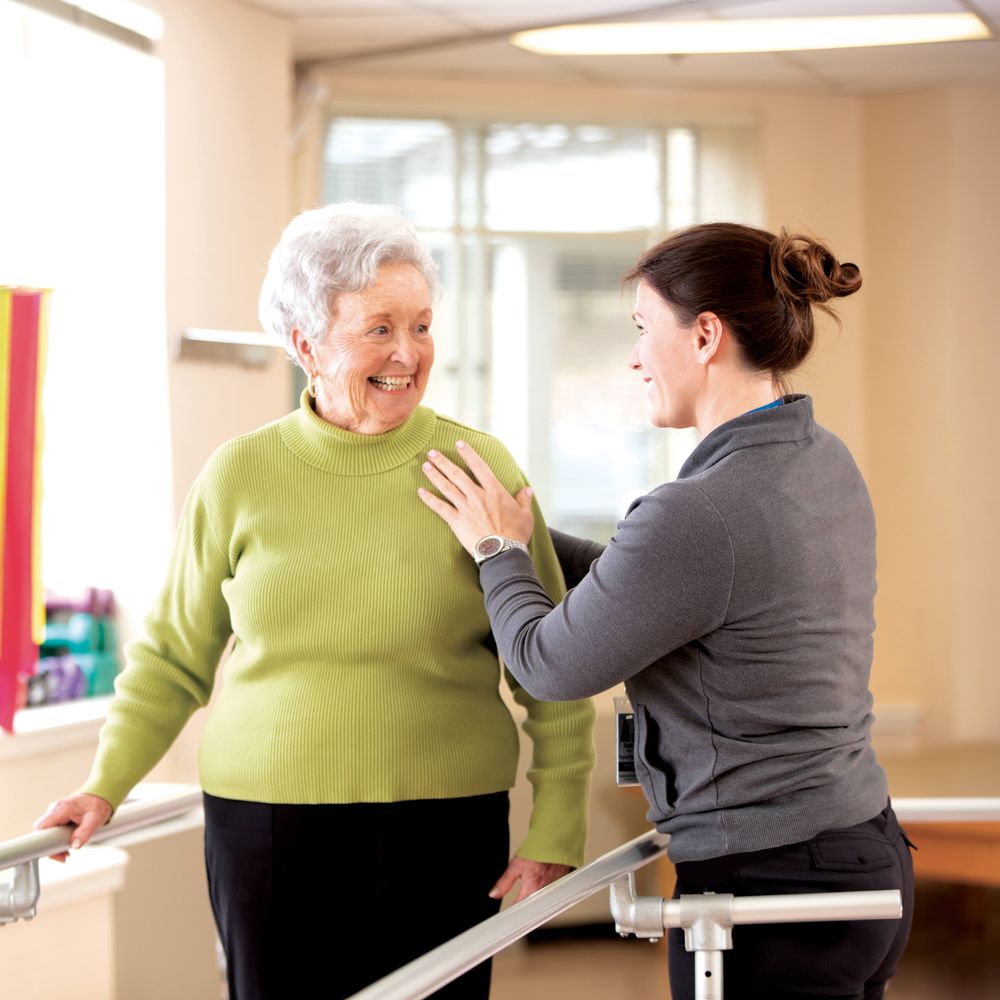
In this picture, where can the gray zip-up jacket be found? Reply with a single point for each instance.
(736, 605)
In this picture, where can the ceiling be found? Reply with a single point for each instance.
(459, 39)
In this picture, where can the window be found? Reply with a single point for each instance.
(81, 198)
(533, 225)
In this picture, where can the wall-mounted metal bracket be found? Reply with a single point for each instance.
(19, 897)
(246, 348)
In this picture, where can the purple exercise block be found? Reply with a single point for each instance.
(95, 601)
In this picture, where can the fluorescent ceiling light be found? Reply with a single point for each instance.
(784, 34)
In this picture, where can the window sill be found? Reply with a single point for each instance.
(51, 728)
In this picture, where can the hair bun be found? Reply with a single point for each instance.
(805, 271)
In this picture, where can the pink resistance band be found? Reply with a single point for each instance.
(23, 315)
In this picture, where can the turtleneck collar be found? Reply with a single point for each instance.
(345, 453)
(772, 425)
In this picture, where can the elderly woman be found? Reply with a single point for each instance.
(358, 756)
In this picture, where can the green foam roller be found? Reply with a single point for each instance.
(109, 637)
(100, 671)
(82, 633)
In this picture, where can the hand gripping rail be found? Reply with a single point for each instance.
(19, 897)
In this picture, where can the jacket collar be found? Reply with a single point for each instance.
(779, 424)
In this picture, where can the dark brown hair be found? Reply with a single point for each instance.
(762, 286)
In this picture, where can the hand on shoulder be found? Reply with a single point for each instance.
(477, 505)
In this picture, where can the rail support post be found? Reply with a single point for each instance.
(707, 922)
(708, 919)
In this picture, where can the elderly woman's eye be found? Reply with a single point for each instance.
(423, 328)
(381, 331)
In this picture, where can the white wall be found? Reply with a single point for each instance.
(228, 92)
(933, 212)
(228, 80)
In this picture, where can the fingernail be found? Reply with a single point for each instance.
(420, 491)
(494, 894)
(529, 492)
(428, 466)
(459, 444)
(76, 845)
(432, 453)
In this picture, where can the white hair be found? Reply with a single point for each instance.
(330, 250)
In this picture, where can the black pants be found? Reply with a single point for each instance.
(845, 960)
(342, 895)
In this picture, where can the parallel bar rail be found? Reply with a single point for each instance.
(136, 815)
(131, 816)
(708, 921)
(448, 961)
(876, 904)
(950, 810)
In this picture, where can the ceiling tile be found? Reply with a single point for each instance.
(991, 8)
(333, 37)
(908, 67)
(473, 59)
(716, 71)
(357, 30)
(513, 15)
(344, 8)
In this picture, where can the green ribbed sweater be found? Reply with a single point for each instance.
(362, 668)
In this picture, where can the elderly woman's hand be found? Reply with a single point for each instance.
(86, 812)
(471, 508)
(534, 875)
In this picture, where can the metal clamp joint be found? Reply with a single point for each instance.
(19, 897)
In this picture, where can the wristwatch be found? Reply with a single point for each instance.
(492, 545)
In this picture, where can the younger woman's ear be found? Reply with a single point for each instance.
(709, 330)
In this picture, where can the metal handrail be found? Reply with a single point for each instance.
(463, 952)
(449, 960)
(131, 816)
(135, 815)
(950, 810)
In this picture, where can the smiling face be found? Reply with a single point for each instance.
(371, 369)
(668, 354)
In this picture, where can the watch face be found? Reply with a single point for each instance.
(488, 546)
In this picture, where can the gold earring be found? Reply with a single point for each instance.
(311, 386)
